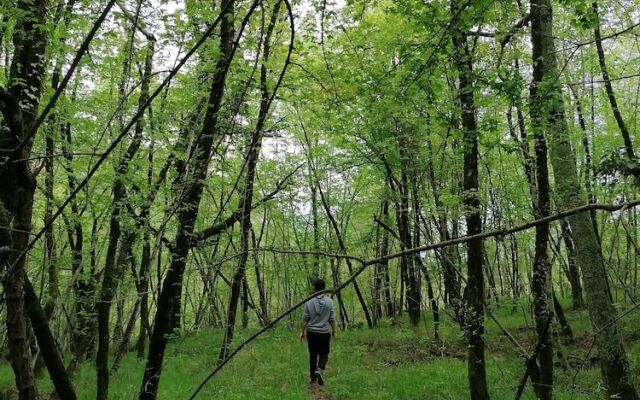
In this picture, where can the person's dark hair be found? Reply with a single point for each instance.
(319, 285)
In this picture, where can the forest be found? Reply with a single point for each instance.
(175, 175)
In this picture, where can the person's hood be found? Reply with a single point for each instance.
(319, 304)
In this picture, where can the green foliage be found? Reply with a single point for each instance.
(371, 96)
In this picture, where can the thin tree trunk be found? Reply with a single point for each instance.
(626, 137)
(144, 273)
(343, 248)
(418, 260)
(384, 265)
(126, 337)
(335, 274)
(572, 266)
(246, 202)
(541, 279)
(474, 292)
(450, 275)
(589, 173)
(264, 309)
(187, 215)
(567, 332)
(114, 264)
(82, 286)
(48, 346)
(49, 243)
(408, 262)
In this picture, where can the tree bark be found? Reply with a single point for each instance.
(541, 279)
(19, 106)
(187, 215)
(613, 359)
(474, 292)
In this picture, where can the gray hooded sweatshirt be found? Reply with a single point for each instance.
(318, 312)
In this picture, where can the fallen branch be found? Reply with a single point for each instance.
(509, 231)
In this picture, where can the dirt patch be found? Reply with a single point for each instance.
(393, 354)
(317, 392)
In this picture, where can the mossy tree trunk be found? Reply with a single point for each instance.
(19, 105)
(613, 359)
(541, 279)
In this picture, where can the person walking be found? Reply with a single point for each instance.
(318, 327)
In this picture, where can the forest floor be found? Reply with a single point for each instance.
(394, 361)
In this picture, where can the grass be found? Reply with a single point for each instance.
(390, 362)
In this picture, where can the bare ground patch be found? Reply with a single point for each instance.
(389, 354)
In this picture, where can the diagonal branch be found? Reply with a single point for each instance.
(221, 227)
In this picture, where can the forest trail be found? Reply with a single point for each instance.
(317, 392)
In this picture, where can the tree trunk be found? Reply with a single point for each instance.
(408, 262)
(447, 254)
(589, 173)
(343, 248)
(419, 261)
(264, 309)
(144, 273)
(19, 106)
(187, 215)
(246, 202)
(626, 137)
(572, 267)
(114, 264)
(48, 346)
(63, 13)
(613, 359)
(384, 265)
(474, 292)
(541, 279)
(49, 244)
(567, 332)
(335, 275)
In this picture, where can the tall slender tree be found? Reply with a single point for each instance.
(473, 318)
(187, 215)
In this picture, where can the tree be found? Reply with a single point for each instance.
(613, 360)
(20, 103)
(188, 214)
(473, 317)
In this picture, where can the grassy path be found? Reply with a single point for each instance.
(390, 362)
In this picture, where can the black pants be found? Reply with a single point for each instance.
(318, 351)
